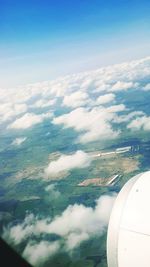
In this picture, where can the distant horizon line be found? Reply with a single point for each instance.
(59, 77)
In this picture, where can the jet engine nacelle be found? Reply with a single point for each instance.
(128, 239)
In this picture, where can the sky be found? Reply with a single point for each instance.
(42, 40)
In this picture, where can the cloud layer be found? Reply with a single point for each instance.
(76, 224)
(98, 105)
(85, 95)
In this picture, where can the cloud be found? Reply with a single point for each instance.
(75, 90)
(43, 103)
(147, 87)
(128, 117)
(104, 99)
(51, 190)
(68, 162)
(95, 123)
(9, 110)
(18, 141)
(76, 224)
(76, 99)
(18, 233)
(140, 123)
(116, 108)
(39, 253)
(28, 120)
(102, 86)
(121, 85)
(100, 132)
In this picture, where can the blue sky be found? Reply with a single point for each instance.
(41, 40)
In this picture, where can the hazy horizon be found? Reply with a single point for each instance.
(42, 41)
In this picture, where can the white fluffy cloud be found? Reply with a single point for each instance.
(140, 123)
(76, 99)
(39, 253)
(121, 85)
(68, 162)
(76, 224)
(147, 87)
(28, 120)
(128, 117)
(95, 123)
(16, 234)
(42, 103)
(104, 99)
(18, 141)
(9, 110)
(52, 191)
